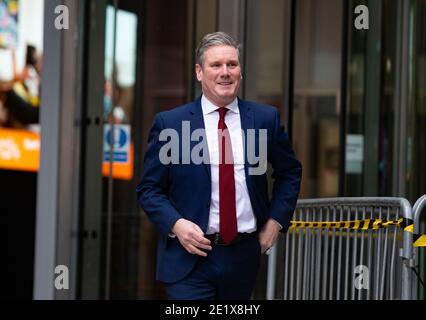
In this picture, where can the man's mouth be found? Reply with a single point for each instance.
(225, 83)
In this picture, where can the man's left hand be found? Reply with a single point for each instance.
(269, 234)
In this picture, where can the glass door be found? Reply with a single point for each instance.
(120, 214)
(108, 252)
(139, 63)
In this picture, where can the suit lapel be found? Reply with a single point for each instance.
(247, 122)
(197, 122)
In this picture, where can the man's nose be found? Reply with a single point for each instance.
(224, 71)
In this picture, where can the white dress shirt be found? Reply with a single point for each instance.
(245, 216)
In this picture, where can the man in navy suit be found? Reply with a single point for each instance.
(215, 216)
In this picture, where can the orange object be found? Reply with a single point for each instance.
(120, 170)
(19, 150)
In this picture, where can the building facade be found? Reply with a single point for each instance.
(353, 101)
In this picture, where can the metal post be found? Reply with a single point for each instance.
(272, 273)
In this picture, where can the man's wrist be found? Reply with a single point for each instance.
(277, 223)
(172, 229)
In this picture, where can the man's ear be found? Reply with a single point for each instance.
(199, 72)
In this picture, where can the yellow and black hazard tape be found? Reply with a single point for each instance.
(419, 240)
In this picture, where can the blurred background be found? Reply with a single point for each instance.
(80, 83)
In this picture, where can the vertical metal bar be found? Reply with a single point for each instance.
(376, 264)
(378, 258)
(372, 98)
(407, 273)
(370, 256)
(348, 278)
(91, 250)
(333, 244)
(292, 262)
(354, 254)
(299, 262)
(402, 93)
(344, 80)
(399, 266)
(414, 294)
(409, 283)
(50, 175)
(325, 268)
(393, 274)
(271, 273)
(286, 264)
(111, 151)
(389, 275)
(312, 260)
(361, 255)
(339, 257)
(384, 260)
(306, 262)
(396, 263)
(318, 259)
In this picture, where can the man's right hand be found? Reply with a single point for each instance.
(191, 237)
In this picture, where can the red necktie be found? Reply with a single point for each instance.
(227, 209)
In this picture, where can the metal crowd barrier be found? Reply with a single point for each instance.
(417, 237)
(370, 257)
(417, 211)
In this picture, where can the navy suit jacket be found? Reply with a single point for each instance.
(170, 192)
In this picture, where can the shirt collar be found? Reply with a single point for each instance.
(208, 107)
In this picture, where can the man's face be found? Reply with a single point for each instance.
(221, 74)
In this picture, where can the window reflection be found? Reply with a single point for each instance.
(120, 268)
(316, 119)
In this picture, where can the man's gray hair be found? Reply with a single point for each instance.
(214, 39)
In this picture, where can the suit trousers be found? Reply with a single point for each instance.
(227, 273)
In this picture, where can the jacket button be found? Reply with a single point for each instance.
(208, 204)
